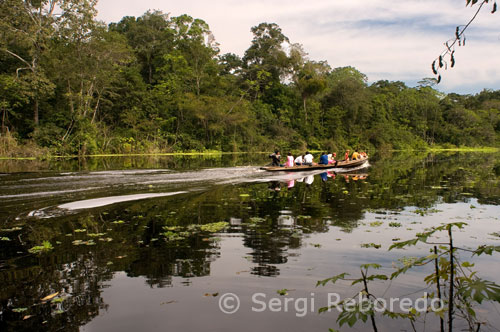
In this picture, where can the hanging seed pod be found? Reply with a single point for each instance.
(439, 79)
(494, 7)
(463, 42)
(434, 67)
(452, 59)
(457, 33)
(440, 61)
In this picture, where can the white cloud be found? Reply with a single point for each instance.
(384, 39)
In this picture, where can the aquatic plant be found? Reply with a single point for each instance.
(456, 285)
(46, 246)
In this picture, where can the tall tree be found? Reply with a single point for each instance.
(27, 27)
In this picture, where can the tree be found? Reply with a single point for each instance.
(266, 53)
(195, 41)
(151, 36)
(28, 26)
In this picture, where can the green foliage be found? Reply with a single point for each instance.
(157, 83)
(214, 227)
(457, 286)
(46, 246)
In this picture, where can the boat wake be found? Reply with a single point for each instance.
(54, 194)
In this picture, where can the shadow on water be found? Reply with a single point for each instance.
(190, 211)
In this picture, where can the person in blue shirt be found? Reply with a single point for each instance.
(323, 160)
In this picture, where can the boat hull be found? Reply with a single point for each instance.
(340, 164)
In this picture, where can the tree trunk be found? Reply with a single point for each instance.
(35, 111)
(305, 108)
(3, 122)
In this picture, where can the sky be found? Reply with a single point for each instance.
(394, 40)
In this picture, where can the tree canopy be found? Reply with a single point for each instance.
(155, 83)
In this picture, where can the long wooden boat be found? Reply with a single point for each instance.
(340, 164)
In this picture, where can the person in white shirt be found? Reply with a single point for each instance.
(299, 160)
(308, 159)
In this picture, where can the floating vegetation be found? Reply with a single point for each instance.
(105, 239)
(50, 297)
(214, 227)
(46, 246)
(255, 220)
(5, 238)
(96, 234)
(118, 222)
(172, 228)
(376, 223)
(13, 229)
(394, 224)
(58, 300)
(282, 292)
(18, 310)
(87, 243)
(424, 212)
(371, 245)
(82, 230)
(316, 245)
(173, 236)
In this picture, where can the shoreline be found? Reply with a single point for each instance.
(220, 153)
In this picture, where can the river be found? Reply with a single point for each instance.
(169, 243)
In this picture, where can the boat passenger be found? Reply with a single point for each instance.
(332, 159)
(308, 159)
(299, 160)
(276, 156)
(323, 160)
(346, 156)
(289, 160)
(355, 155)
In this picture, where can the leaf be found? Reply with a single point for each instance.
(434, 67)
(332, 279)
(468, 264)
(488, 250)
(50, 297)
(377, 276)
(19, 310)
(402, 244)
(372, 265)
(480, 290)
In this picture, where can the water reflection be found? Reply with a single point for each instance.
(161, 239)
